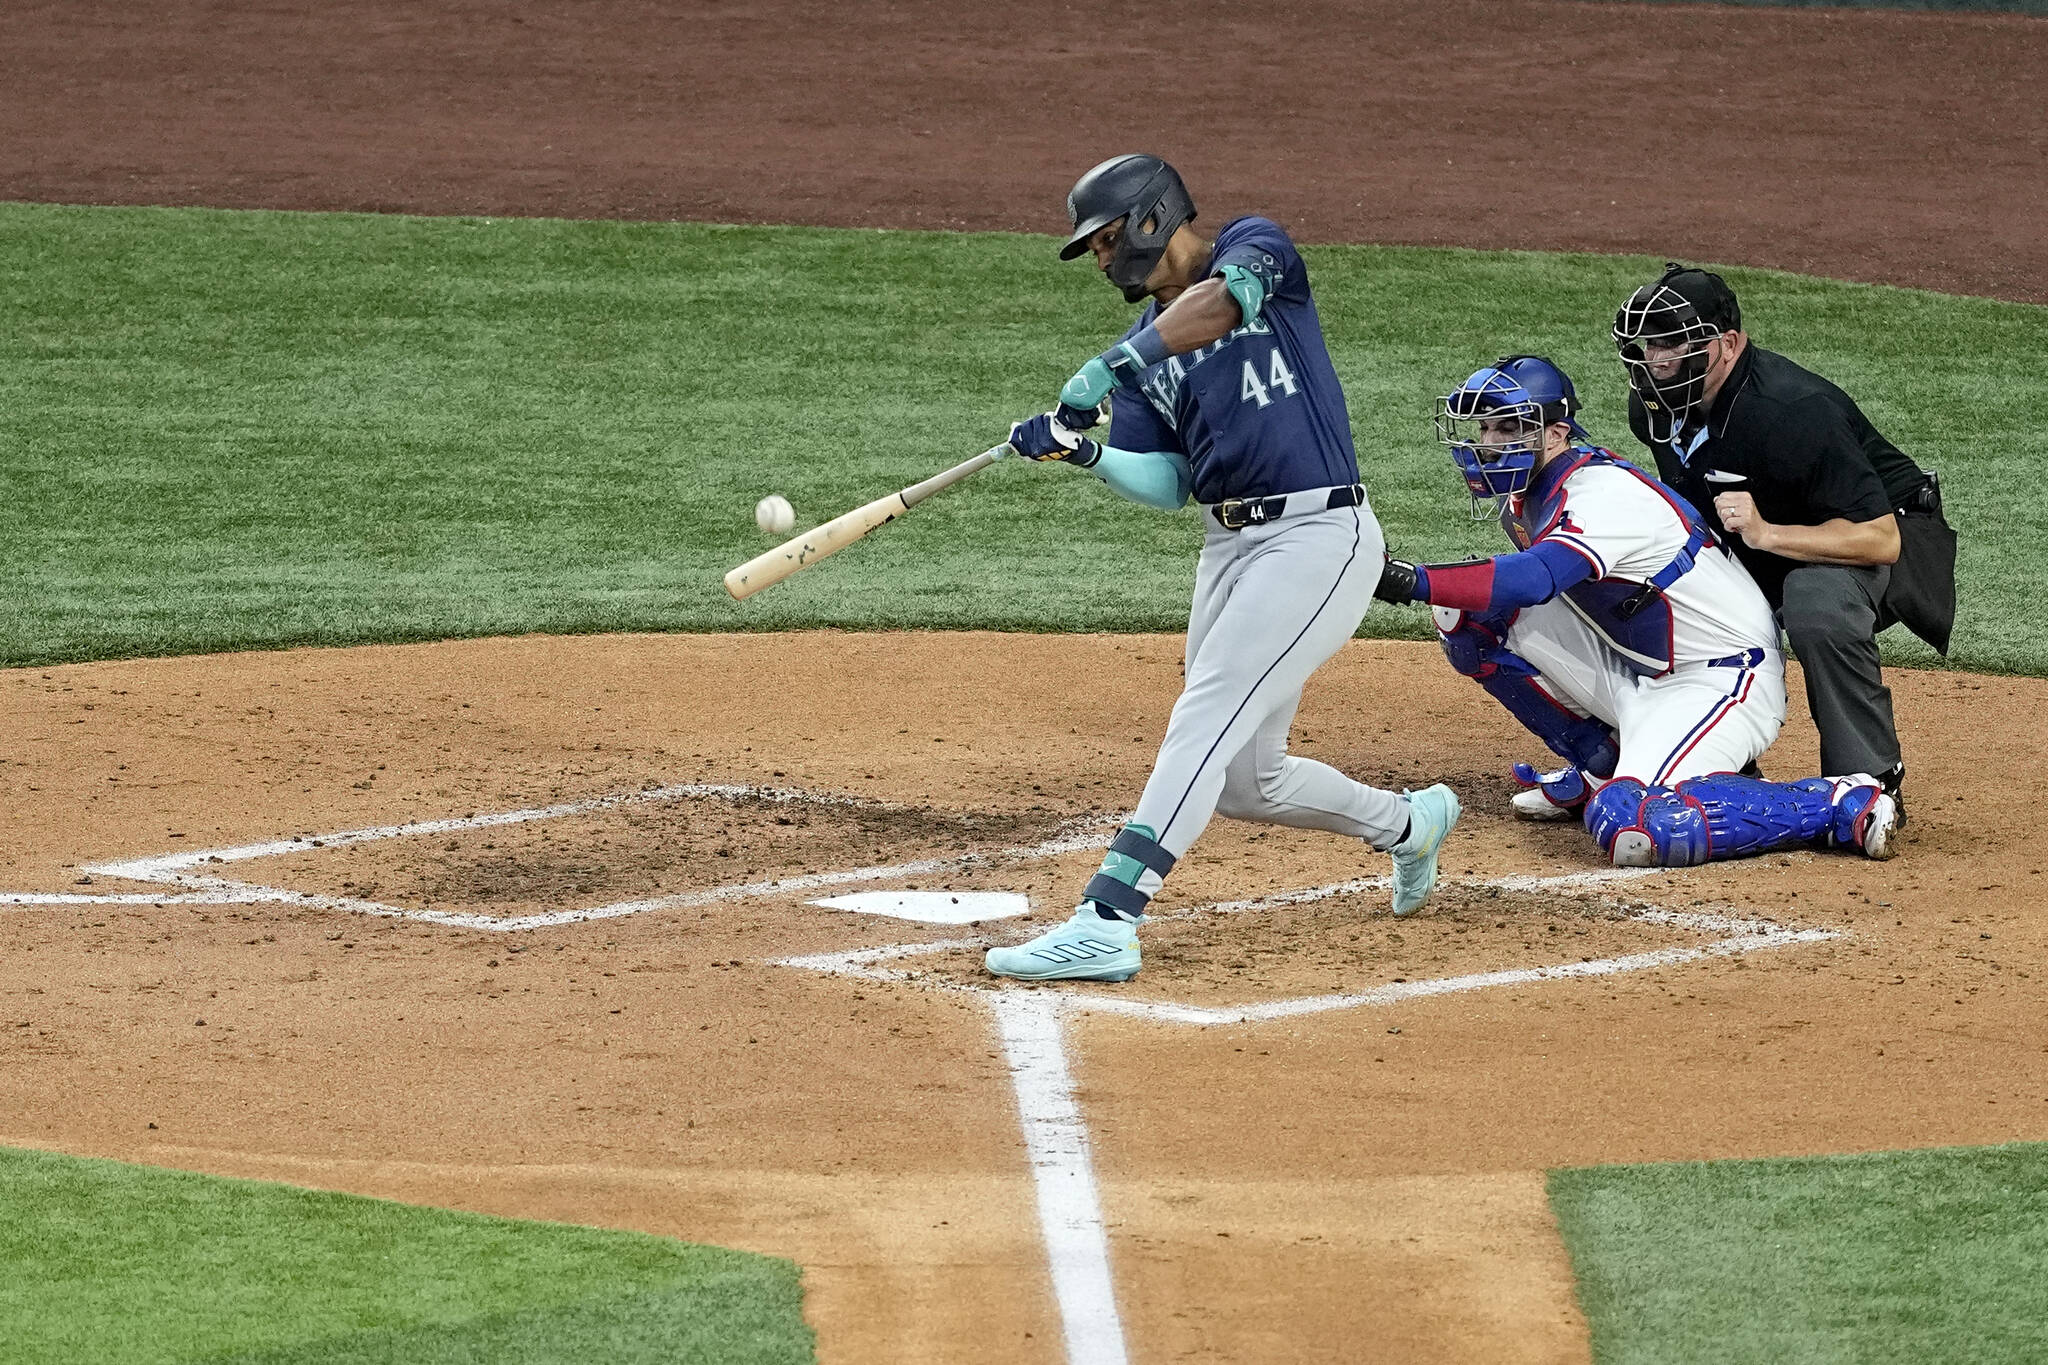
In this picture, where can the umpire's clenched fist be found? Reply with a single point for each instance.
(1738, 517)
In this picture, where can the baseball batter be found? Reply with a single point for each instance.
(1624, 635)
(1223, 392)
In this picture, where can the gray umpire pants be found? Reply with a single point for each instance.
(1832, 614)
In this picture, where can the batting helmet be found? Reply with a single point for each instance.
(1676, 315)
(1148, 195)
(1527, 390)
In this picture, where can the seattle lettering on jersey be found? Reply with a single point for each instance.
(1163, 388)
(1269, 417)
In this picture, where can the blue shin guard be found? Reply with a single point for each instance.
(1477, 647)
(1706, 819)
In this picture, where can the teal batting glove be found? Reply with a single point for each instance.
(1116, 368)
(1090, 385)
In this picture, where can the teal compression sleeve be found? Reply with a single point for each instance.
(1157, 478)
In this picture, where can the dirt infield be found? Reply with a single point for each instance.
(1899, 147)
(658, 1070)
(1362, 1175)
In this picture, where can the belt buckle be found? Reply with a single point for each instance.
(1238, 513)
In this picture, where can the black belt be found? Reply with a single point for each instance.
(1925, 497)
(1234, 514)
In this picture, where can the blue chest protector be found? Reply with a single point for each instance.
(1633, 616)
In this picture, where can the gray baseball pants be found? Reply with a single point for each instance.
(1272, 603)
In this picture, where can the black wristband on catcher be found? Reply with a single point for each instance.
(1397, 582)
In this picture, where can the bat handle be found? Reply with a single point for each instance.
(946, 478)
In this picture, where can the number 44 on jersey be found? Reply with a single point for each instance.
(1278, 376)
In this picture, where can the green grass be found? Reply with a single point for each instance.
(228, 430)
(1890, 1257)
(111, 1263)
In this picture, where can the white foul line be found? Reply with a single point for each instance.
(1056, 1133)
(1069, 1205)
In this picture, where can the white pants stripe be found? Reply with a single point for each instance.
(1692, 721)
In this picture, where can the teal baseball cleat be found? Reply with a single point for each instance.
(1432, 812)
(1085, 948)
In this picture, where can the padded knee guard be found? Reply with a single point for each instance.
(1706, 819)
(1615, 808)
(1477, 647)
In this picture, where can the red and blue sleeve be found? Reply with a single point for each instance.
(1515, 580)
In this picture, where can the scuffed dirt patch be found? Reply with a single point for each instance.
(1350, 943)
(529, 1072)
(653, 848)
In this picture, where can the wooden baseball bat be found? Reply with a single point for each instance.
(765, 570)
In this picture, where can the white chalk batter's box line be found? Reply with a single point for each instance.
(178, 870)
(1740, 935)
(192, 887)
(1030, 1025)
(1029, 1020)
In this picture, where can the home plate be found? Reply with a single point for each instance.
(933, 907)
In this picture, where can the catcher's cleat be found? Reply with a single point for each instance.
(1431, 814)
(1085, 948)
(1559, 795)
(1893, 782)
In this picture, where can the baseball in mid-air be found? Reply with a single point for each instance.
(774, 515)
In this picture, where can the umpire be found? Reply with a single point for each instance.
(1841, 530)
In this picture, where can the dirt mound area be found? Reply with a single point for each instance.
(1897, 147)
(665, 1070)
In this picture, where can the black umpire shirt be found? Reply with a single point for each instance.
(1808, 453)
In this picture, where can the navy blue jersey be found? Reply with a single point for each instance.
(1258, 413)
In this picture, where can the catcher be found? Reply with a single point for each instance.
(1625, 636)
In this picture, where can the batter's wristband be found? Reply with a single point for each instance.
(1075, 419)
(1127, 359)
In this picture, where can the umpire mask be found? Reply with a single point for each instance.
(1148, 195)
(1666, 325)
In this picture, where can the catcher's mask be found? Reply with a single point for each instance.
(1667, 325)
(1494, 424)
(1147, 194)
